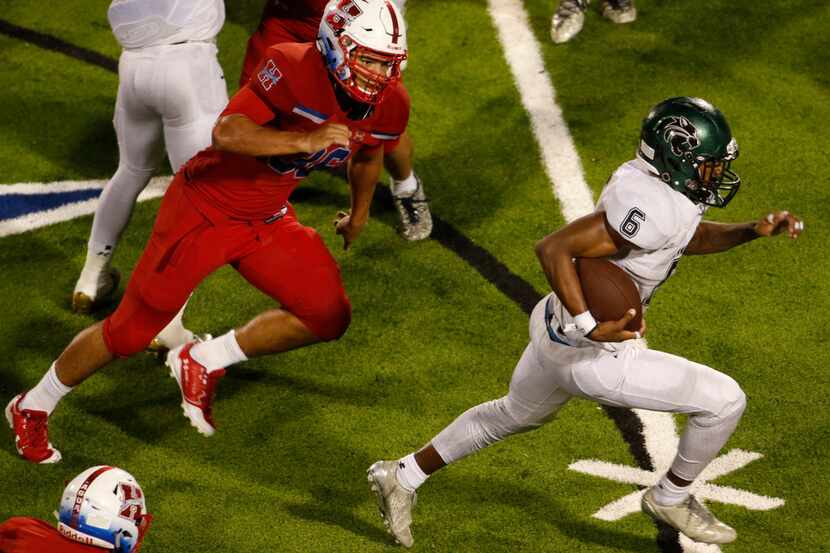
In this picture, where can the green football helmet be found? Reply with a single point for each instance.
(687, 141)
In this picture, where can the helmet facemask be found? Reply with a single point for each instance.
(713, 182)
(362, 83)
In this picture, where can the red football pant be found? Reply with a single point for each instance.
(283, 259)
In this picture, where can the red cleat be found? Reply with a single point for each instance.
(197, 387)
(31, 435)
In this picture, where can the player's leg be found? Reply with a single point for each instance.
(407, 191)
(293, 267)
(189, 107)
(533, 399)
(654, 380)
(160, 284)
(139, 134)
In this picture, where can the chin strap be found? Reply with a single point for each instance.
(146, 520)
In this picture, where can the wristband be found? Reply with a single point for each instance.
(585, 322)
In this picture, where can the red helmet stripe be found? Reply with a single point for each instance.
(395, 28)
(79, 495)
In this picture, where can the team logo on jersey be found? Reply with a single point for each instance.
(681, 135)
(269, 75)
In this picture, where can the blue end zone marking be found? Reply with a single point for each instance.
(16, 205)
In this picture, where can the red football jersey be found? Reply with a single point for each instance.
(291, 91)
(31, 535)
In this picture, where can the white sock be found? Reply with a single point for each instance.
(410, 474)
(97, 261)
(175, 334)
(405, 187)
(218, 353)
(667, 492)
(46, 395)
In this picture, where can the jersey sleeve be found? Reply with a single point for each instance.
(268, 93)
(392, 121)
(640, 217)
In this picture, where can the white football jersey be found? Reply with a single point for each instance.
(143, 23)
(646, 212)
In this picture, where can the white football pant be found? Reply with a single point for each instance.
(549, 374)
(168, 96)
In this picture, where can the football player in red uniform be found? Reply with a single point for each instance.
(298, 21)
(101, 509)
(306, 107)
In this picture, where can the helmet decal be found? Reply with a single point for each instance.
(681, 135)
(396, 33)
(79, 496)
(688, 144)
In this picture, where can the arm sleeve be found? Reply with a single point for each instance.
(639, 217)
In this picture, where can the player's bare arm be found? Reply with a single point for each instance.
(364, 170)
(588, 236)
(711, 237)
(236, 133)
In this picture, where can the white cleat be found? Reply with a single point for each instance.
(568, 19)
(394, 501)
(89, 293)
(691, 518)
(619, 11)
(197, 385)
(416, 218)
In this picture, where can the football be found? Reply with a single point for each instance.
(609, 291)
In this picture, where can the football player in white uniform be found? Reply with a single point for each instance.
(649, 214)
(171, 90)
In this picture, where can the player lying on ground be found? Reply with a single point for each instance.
(102, 508)
(304, 109)
(298, 22)
(162, 42)
(647, 217)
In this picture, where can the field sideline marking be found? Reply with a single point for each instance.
(38, 219)
(562, 165)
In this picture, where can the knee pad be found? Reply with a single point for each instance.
(731, 408)
(516, 418)
(125, 340)
(329, 319)
(133, 325)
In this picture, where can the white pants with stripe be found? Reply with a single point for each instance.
(549, 374)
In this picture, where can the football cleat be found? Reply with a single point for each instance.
(197, 385)
(90, 293)
(413, 209)
(568, 19)
(31, 433)
(619, 11)
(691, 518)
(394, 501)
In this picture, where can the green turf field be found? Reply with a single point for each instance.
(430, 336)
